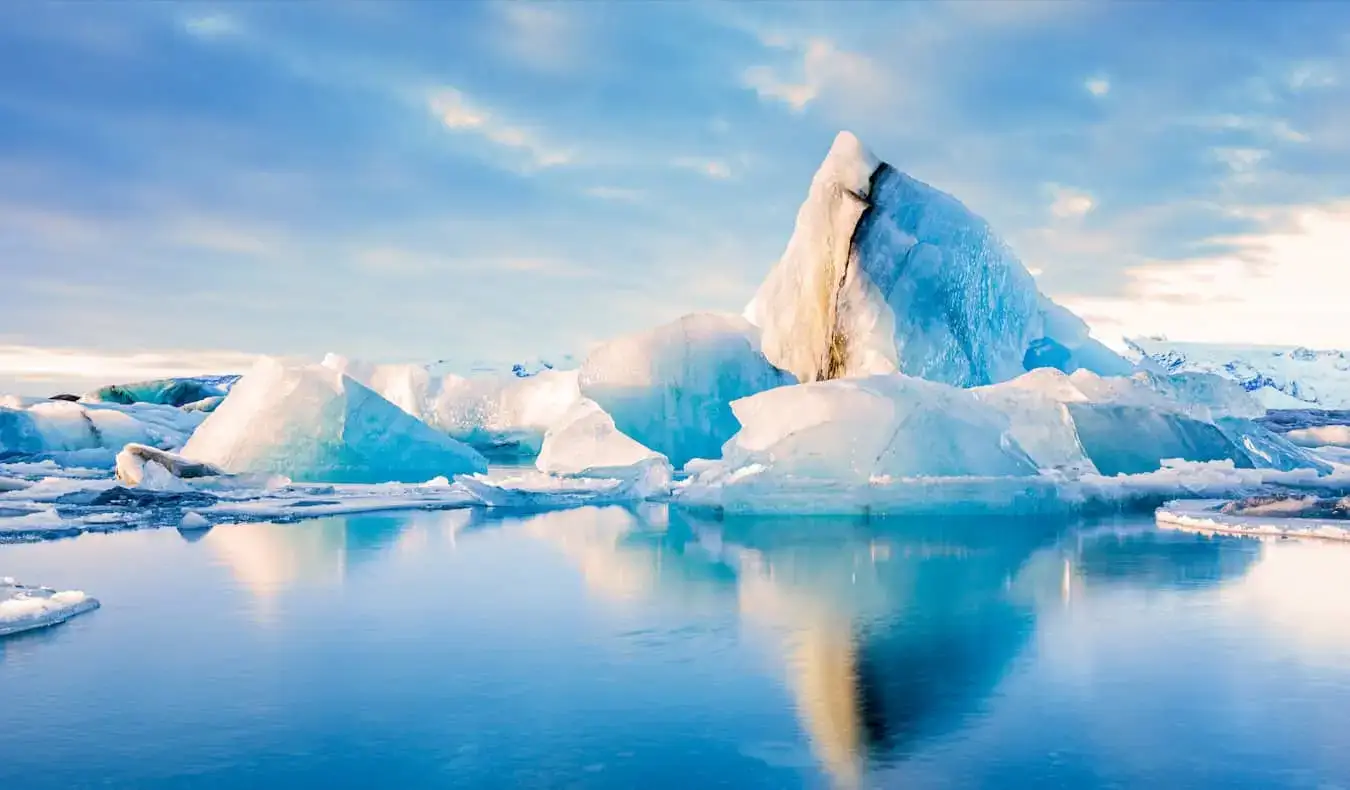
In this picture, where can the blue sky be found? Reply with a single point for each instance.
(185, 184)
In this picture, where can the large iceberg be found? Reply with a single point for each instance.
(93, 431)
(315, 424)
(495, 412)
(671, 388)
(1279, 377)
(884, 273)
(855, 431)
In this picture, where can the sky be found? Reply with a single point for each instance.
(186, 185)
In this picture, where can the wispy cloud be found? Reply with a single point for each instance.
(819, 66)
(542, 35)
(1265, 289)
(712, 168)
(618, 194)
(1069, 203)
(1098, 86)
(41, 368)
(212, 25)
(458, 114)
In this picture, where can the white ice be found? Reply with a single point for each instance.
(884, 273)
(1281, 377)
(850, 431)
(586, 443)
(1204, 516)
(74, 432)
(25, 608)
(314, 424)
(671, 388)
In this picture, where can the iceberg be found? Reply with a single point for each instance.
(165, 392)
(585, 442)
(60, 429)
(884, 273)
(498, 413)
(851, 432)
(504, 413)
(138, 464)
(670, 389)
(26, 608)
(314, 424)
(1279, 377)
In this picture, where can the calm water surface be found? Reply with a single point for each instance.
(645, 648)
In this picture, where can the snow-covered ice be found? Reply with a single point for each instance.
(671, 388)
(1208, 516)
(586, 443)
(885, 273)
(497, 412)
(850, 431)
(61, 430)
(25, 608)
(504, 413)
(1280, 377)
(314, 424)
(166, 392)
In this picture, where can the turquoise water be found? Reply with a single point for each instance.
(617, 648)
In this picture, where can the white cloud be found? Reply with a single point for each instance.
(712, 168)
(1069, 203)
(823, 67)
(1098, 86)
(41, 370)
(1311, 76)
(1285, 285)
(617, 194)
(211, 25)
(458, 114)
(538, 34)
(1275, 128)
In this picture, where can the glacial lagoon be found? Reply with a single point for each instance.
(646, 647)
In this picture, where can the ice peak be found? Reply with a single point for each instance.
(848, 164)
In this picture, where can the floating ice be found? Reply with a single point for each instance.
(167, 392)
(530, 490)
(135, 459)
(504, 413)
(850, 431)
(586, 443)
(1285, 517)
(885, 273)
(315, 424)
(57, 429)
(25, 608)
(671, 388)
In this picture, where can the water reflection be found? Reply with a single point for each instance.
(889, 631)
(269, 558)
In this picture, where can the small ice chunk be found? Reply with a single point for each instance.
(134, 459)
(193, 520)
(585, 442)
(25, 608)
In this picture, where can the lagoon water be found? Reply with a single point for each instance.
(618, 648)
